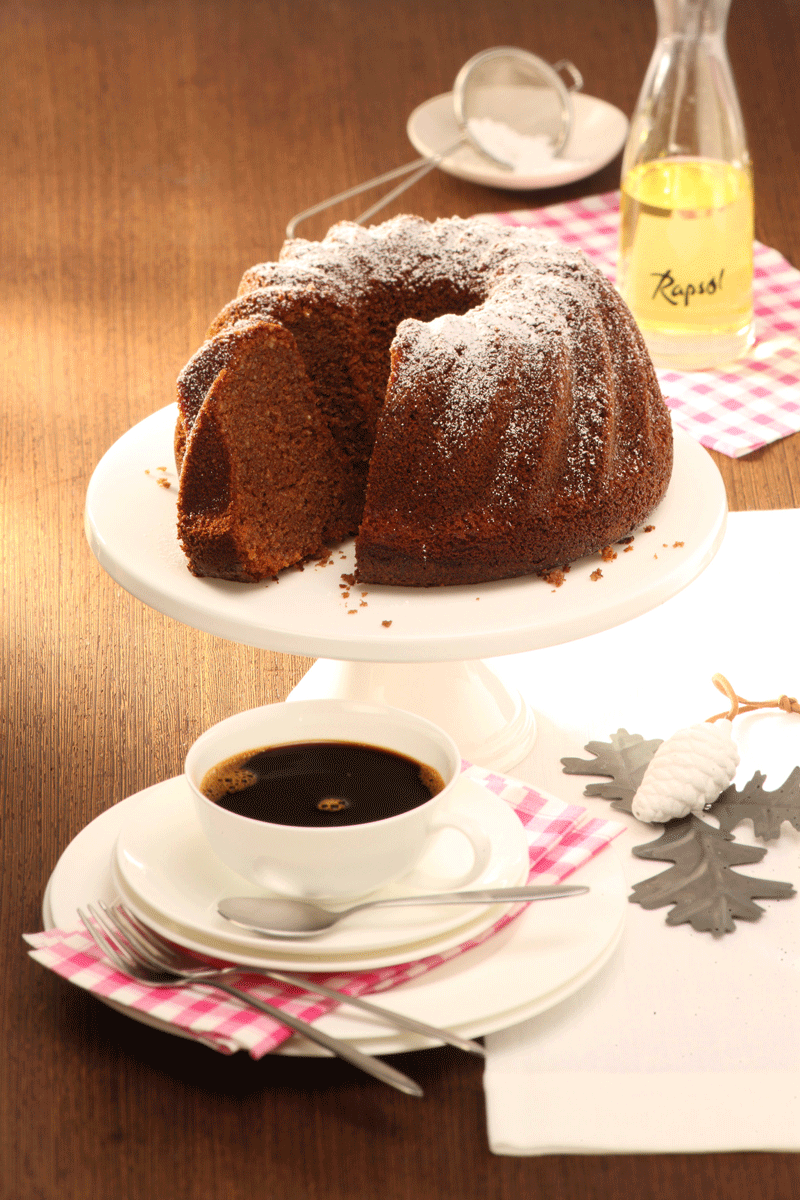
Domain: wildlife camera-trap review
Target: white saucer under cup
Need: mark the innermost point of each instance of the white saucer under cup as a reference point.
(164, 868)
(538, 960)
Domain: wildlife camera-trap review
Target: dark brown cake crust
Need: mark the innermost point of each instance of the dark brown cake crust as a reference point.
(487, 389)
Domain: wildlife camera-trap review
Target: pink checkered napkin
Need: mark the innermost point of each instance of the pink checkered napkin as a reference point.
(559, 841)
(734, 409)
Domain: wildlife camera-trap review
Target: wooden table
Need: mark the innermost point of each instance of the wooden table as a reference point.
(150, 152)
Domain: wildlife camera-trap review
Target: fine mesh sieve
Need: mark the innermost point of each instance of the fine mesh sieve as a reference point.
(516, 89)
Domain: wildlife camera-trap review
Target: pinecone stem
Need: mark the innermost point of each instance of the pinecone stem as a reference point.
(740, 705)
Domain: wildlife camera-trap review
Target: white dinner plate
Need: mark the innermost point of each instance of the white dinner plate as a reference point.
(598, 134)
(167, 872)
(550, 951)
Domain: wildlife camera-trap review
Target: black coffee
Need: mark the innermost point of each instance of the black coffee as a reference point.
(320, 784)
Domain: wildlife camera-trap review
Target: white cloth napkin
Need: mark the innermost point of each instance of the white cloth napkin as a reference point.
(684, 1042)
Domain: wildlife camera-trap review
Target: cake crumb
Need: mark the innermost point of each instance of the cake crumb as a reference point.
(349, 579)
(595, 575)
(627, 550)
(386, 624)
(556, 577)
(161, 468)
(649, 528)
(676, 545)
(351, 612)
(607, 554)
(163, 482)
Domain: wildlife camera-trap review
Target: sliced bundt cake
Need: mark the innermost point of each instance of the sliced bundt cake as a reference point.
(472, 402)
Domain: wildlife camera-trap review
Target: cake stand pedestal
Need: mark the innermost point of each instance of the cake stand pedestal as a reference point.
(491, 723)
(419, 649)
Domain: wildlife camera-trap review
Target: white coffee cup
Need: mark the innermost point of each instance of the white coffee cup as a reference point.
(344, 862)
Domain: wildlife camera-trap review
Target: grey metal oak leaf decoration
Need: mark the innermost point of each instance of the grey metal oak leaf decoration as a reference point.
(701, 885)
(767, 810)
(624, 759)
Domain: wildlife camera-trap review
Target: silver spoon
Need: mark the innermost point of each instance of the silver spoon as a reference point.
(283, 917)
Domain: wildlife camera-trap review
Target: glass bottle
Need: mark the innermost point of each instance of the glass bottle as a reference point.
(686, 231)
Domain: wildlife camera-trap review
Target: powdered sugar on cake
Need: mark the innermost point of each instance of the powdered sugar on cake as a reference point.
(486, 386)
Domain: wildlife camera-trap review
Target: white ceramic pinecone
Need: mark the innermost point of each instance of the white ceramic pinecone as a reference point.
(687, 772)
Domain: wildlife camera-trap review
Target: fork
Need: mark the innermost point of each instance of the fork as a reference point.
(122, 954)
(166, 954)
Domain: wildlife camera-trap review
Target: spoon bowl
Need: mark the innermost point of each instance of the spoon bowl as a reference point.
(285, 917)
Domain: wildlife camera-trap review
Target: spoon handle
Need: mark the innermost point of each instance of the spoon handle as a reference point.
(484, 896)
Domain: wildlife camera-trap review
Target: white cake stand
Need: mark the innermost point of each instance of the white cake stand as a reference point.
(419, 649)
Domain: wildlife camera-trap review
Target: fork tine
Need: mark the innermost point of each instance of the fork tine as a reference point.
(165, 953)
(152, 936)
(139, 946)
(151, 942)
(99, 935)
(118, 937)
(109, 930)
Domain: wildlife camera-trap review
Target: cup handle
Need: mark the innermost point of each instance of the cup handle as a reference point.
(481, 852)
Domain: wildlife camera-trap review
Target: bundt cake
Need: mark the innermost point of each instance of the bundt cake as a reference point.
(472, 402)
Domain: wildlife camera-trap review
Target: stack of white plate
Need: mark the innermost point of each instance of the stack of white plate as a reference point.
(150, 852)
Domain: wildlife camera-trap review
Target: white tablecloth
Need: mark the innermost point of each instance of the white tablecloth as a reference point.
(684, 1042)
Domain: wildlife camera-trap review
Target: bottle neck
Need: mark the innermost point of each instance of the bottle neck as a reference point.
(692, 19)
(688, 106)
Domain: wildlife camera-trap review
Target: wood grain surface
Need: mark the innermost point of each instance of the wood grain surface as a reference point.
(149, 153)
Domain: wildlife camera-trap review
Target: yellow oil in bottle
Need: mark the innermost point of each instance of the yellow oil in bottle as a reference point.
(686, 259)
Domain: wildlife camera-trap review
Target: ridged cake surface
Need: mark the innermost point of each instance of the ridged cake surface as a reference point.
(472, 402)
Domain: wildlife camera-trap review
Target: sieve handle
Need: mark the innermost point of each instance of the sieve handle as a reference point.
(420, 167)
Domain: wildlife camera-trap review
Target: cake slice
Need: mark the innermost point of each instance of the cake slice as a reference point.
(258, 472)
